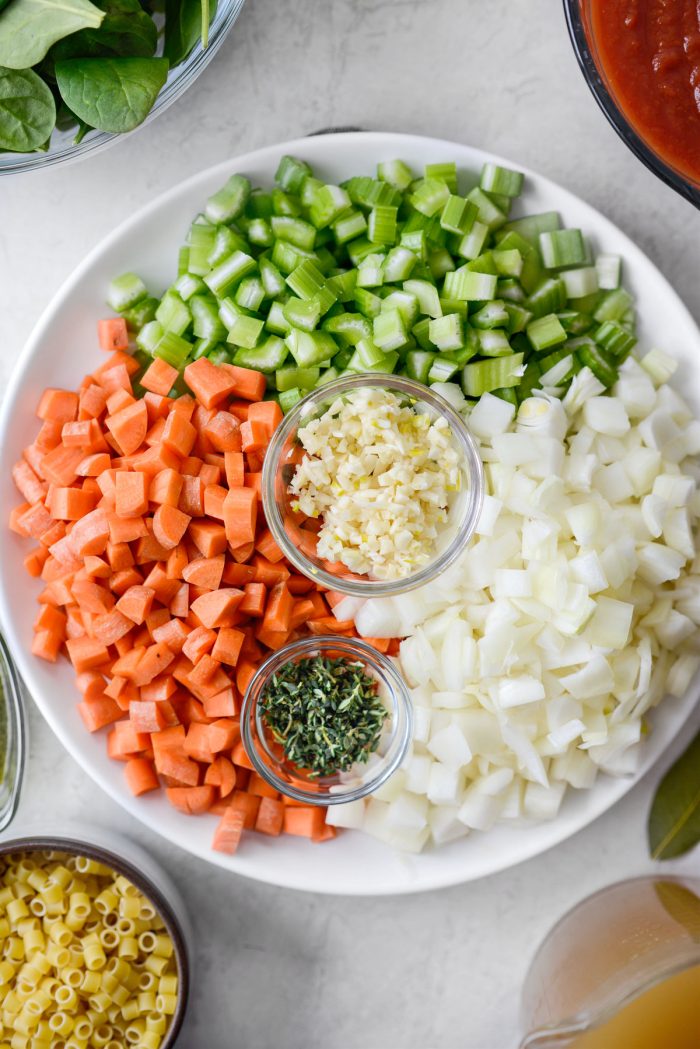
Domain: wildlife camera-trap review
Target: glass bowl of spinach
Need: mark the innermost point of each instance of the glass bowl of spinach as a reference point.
(76, 74)
(326, 720)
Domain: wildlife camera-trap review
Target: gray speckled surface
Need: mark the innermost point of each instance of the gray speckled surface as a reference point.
(274, 968)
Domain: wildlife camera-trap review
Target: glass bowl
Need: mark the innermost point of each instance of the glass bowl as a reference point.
(125, 858)
(12, 738)
(284, 776)
(298, 544)
(182, 76)
(578, 20)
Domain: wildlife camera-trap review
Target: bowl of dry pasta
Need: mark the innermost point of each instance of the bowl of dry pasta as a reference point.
(93, 946)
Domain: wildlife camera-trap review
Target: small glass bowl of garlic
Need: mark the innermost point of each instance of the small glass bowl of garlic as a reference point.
(372, 485)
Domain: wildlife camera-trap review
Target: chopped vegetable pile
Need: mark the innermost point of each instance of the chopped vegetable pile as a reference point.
(379, 475)
(326, 713)
(398, 273)
(162, 583)
(535, 658)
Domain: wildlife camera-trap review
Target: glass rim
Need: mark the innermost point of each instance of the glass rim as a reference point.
(471, 464)
(29, 843)
(183, 76)
(12, 762)
(595, 78)
(381, 665)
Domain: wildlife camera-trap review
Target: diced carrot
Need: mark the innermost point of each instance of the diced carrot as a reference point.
(174, 634)
(244, 674)
(240, 757)
(120, 582)
(169, 525)
(324, 833)
(112, 334)
(174, 763)
(302, 612)
(249, 385)
(149, 549)
(191, 499)
(196, 743)
(380, 643)
(165, 488)
(203, 672)
(211, 473)
(99, 713)
(180, 602)
(46, 645)
(274, 639)
(211, 383)
(136, 603)
(191, 800)
(208, 536)
(198, 642)
(140, 776)
(254, 436)
(228, 644)
(268, 573)
(305, 821)
(92, 402)
(267, 547)
(238, 574)
(70, 504)
(146, 716)
(131, 491)
(240, 514)
(113, 377)
(159, 377)
(270, 817)
(254, 460)
(30, 487)
(159, 581)
(235, 469)
(86, 653)
(214, 496)
(126, 529)
(119, 555)
(268, 413)
(319, 604)
(60, 406)
(128, 427)
(34, 561)
(260, 787)
(241, 554)
(227, 836)
(240, 409)
(221, 774)
(16, 514)
(34, 521)
(217, 608)
(223, 432)
(179, 434)
(253, 481)
(112, 626)
(160, 689)
(93, 465)
(278, 610)
(205, 572)
(76, 434)
(191, 465)
(253, 603)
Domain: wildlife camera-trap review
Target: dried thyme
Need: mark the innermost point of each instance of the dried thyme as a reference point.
(325, 713)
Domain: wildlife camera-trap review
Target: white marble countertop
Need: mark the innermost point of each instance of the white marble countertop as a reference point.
(274, 968)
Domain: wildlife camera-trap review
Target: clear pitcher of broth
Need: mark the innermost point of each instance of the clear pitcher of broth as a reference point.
(619, 971)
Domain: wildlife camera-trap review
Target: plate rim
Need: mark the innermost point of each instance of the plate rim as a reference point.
(281, 876)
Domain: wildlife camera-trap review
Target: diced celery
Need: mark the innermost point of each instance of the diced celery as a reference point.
(419, 363)
(205, 317)
(348, 328)
(291, 174)
(172, 314)
(149, 336)
(267, 358)
(493, 343)
(487, 212)
(302, 313)
(446, 332)
(272, 279)
(230, 200)
(389, 332)
(381, 224)
(530, 227)
(492, 315)
(544, 332)
(429, 196)
(349, 225)
(293, 230)
(329, 202)
(481, 377)
(140, 314)
(495, 179)
(245, 331)
(125, 291)
(224, 277)
(427, 296)
(396, 173)
(309, 348)
(470, 285)
(173, 349)
(288, 398)
(250, 293)
(617, 340)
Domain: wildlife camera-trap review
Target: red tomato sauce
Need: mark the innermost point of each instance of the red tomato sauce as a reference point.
(649, 52)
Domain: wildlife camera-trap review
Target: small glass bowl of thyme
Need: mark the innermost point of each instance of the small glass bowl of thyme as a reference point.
(326, 720)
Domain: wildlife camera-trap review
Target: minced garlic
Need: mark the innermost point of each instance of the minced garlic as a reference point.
(379, 474)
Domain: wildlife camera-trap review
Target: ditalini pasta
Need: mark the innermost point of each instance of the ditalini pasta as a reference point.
(85, 958)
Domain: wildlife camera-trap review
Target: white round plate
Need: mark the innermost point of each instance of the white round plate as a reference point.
(63, 348)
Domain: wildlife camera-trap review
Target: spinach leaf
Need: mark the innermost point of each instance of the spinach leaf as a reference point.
(674, 819)
(183, 27)
(126, 31)
(112, 94)
(27, 110)
(28, 28)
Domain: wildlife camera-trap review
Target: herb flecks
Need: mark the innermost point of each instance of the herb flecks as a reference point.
(325, 713)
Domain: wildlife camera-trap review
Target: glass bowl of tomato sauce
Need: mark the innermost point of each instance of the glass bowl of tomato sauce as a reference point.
(641, 60)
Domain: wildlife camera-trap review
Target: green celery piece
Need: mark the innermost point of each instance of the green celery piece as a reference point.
(302, 313)
(291, 174)
(229, 201)
(348, 328)
(396, 173)
(229, 273)
(310, 348)
(561, 248)
(173, 314)
(419, 363)
(294, 230)
(173, 349)
(205, 316)
(329, 203)
(481, 377)
(291, 377)
(446, 332)
(548, 297)
(388, 331)
(442, 370)
(268, 358)
(496, 179)
(125, 291)
(545, 332)
(530, 227)
(615, 339)
(429, 196)
(286, 203)
(140, 314)
(487, 212)
(493, 343)
(613, 305)
(599, 362)
(245, 331)
(491, 315)
(288, 398)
